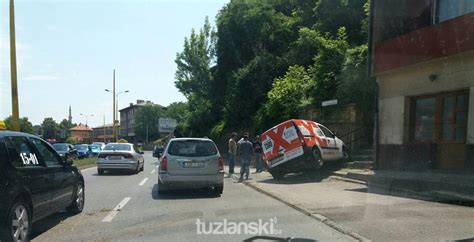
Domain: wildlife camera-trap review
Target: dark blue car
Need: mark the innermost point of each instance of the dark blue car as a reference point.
(83, 151)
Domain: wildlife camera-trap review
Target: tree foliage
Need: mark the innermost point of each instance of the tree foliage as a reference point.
(146, 121)
(25, 125)
(50, 128)
(271, 60)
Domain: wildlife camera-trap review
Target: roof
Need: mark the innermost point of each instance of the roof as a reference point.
(201, 139)
(81, 127)
(14, 133)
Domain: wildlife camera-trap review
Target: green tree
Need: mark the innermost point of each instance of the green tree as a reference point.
(288, 96)
(146, 121)
(66, 125)
(25, 125)
(50, 128)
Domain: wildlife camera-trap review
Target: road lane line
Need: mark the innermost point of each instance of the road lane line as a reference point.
(116, 210)
(143, 182)
(152, 171)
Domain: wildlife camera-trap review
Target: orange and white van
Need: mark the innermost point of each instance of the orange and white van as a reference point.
(297, 145)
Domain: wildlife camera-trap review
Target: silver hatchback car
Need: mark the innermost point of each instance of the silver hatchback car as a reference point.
(191, 163)
(120, 156)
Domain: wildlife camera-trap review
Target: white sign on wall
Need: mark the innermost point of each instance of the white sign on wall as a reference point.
(167, 125)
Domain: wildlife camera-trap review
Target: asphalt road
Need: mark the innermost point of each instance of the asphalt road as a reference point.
(127, 207)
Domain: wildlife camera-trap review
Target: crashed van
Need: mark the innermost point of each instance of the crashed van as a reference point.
(299, 145)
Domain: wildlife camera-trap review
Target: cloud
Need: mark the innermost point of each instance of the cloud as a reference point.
(40, 78)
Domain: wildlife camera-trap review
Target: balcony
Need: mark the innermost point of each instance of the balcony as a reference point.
(446, 38)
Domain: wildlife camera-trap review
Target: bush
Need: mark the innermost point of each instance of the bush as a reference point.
(218, 130)
(122, 141)
(71, 140)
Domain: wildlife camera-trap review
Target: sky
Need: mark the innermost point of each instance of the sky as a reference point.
(67, 51)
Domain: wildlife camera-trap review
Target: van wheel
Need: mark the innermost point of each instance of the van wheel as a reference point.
(317, 159)
(18, 222)
(100, 171)
(277, 174)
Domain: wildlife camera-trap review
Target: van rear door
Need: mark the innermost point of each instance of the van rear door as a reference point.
(281, 143)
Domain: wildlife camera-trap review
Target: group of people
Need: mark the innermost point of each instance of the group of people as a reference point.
(244, 149)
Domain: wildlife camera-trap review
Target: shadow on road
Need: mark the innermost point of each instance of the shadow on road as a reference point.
(48, 223)
(182, 194)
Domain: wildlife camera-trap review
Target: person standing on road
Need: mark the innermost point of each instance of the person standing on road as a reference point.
(245, 154)
(257, 146)
(232, 152)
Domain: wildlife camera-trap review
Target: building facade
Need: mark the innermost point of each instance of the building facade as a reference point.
(422, 56)
(127, 121)
(81, 133)
(103, 133)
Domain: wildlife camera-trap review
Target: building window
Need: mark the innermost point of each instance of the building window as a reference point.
(424, 119)
(448, 9)
(440, 118)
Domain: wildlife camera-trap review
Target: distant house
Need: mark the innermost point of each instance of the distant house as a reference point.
(423, 60)
(103, 133)
(81, 133)
(127, 120)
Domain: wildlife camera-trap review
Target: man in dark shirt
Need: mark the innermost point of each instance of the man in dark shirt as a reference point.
(257, 146)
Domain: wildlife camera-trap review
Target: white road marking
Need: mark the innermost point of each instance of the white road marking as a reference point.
(116, 210)
(153, 171)
(143, 182)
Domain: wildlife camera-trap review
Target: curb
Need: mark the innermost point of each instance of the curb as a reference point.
(304, 211)
(341, 178)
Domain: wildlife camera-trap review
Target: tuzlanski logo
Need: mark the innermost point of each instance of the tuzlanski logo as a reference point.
(226, 227)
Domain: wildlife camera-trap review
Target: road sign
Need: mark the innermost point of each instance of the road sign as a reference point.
(166, 125)
(329, 103)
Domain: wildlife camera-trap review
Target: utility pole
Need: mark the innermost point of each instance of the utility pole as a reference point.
(104, 128)
(114, 130)
(15, 109)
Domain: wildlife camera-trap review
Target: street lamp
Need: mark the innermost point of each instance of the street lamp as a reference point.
(86, 115)
(115, 107)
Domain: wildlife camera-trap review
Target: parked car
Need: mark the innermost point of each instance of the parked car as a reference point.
(83, 151)
(120, 156)
(191, 163)
(297, 145)
(66, 151)
(158, 151)
(35, 182)
(95, 149)
(102, 144)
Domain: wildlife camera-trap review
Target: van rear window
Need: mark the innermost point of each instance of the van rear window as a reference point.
(192, 148)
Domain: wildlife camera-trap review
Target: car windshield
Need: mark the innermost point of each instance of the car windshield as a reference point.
(95, 147)
(192, 148)
(60, 147)
(81, 147)
(114, 147)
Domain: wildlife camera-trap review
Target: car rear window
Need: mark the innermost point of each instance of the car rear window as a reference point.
(124, 147)
(60, 147)
(192, 148)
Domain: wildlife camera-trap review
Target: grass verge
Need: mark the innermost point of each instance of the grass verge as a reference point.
(85, 163)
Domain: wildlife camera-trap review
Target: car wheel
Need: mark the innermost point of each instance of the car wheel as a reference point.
(219, 189)
(277, 174)
(162, 188)
(138, 168)
(143, 166)
(18, 222)
(79, 198)
(100, 171)
(317, 159)
(346, 156)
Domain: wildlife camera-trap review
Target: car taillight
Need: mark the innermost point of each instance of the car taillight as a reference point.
(164, 164)
(221, 163)
(102, 156)
(127, 156)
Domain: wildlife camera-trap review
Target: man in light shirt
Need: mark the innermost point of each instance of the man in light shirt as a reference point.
(232, 152)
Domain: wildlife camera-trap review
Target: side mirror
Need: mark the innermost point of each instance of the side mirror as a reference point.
(335, 133)
(67, 161)
(141, 152)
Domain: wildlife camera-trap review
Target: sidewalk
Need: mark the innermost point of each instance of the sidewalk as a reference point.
(365, 211)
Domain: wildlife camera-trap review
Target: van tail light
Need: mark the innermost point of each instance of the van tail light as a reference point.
(164, 164)
(221, 163)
